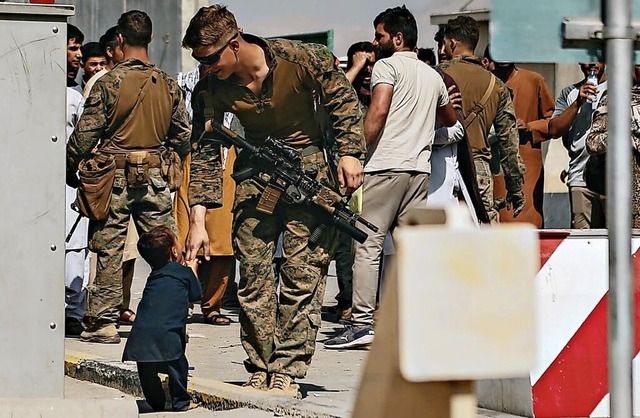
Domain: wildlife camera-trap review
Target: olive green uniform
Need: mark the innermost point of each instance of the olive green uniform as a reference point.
(159, 119)
(473, 81)
(278, 332)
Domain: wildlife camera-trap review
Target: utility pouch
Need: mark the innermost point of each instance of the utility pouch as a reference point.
(96, 182)
(269, 199)
(137, 169)
(171, 168)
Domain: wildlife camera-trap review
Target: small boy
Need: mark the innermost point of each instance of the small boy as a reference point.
(158, 336)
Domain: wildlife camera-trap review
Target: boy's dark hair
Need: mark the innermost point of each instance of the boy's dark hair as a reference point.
(109, 39)
(399, 19)
(427, 55)
(135, 26)
(463, 29)
(155, 246)
(364, 46)
(74, 33)
(92, 49)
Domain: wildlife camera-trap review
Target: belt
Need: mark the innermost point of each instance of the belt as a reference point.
(155, 161)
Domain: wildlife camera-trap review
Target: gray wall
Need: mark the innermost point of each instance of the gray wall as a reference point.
(94, 17)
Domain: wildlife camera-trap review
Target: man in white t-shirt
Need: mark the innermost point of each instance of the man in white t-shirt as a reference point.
(407, 96)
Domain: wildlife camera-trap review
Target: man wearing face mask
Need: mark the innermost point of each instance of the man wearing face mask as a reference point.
(572, 120)
(485, 102)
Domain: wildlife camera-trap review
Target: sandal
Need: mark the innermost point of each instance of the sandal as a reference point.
(127, 317)
(217, 319)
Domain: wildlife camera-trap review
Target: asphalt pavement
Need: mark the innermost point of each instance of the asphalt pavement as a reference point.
(216, 355)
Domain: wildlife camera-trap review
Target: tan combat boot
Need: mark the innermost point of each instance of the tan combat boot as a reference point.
(101, 332)
(258, 380)
(282, 384)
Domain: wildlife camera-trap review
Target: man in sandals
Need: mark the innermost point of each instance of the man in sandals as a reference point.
(131, 113)
(272, 87)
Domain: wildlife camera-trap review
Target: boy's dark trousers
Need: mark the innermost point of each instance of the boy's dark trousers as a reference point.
(177, 370)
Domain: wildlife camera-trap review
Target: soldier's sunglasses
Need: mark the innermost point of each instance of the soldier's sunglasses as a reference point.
(214, 57)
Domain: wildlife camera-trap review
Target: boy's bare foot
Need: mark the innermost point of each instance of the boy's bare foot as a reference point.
(193, 405)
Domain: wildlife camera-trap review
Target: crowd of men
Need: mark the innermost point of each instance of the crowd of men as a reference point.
(405, 131)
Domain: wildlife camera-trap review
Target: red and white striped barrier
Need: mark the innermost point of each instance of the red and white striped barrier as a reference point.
(572, 293)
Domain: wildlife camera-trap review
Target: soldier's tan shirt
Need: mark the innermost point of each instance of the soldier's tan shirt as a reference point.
(473, 81)
(160, 119)
(302, 83)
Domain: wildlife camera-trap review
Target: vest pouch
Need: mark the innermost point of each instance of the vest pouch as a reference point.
(96, 182)
(137, 169)
(171, 168)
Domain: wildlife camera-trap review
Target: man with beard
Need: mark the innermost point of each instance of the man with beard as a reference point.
(406, 97)
(533, 105)
(485, 102)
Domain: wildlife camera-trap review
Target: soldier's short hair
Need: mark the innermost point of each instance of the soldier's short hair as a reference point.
(109, 39)
(208, 26)
(135, 27)
(155, 246)
(463, 29)
(399, 19)
(74, 33)
(92, 49)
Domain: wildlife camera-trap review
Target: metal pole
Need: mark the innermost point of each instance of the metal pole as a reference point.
(619, 47)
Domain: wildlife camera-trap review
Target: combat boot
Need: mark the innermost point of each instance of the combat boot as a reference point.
(282, 384)
(258, 380)
(101, 332)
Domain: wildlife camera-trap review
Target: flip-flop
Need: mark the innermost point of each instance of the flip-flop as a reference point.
(127, 317)
(217, 319)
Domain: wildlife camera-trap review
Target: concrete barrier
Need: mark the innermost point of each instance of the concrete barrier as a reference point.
(570, 379)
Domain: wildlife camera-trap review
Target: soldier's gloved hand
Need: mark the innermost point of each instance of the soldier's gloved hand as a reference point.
(73, 180)
(515, 201)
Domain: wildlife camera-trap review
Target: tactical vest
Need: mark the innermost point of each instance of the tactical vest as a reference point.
(147, 127)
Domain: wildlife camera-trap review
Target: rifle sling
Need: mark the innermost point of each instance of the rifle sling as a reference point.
(479, 107)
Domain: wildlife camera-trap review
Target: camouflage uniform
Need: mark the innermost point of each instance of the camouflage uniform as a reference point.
(161, 114)
(473, 81)
(278, 332)
(596, 144)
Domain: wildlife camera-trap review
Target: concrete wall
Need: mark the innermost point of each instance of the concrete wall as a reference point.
(93, 19)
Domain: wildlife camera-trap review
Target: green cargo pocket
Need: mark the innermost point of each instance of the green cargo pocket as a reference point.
(158, 183)
(119, 183)
(315, 321)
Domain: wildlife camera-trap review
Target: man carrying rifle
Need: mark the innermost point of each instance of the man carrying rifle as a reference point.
(273, 87)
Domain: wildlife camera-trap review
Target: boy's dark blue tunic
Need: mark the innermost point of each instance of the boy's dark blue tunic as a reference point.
(158, 332)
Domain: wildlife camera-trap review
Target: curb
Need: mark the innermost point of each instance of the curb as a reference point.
(211, 394)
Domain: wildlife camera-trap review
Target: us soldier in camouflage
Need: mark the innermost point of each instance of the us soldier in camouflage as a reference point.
(270, 86)
(484, 105)
(134, 108)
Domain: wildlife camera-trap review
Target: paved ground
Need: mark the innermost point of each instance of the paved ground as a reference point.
(215, 353)
(78, 389)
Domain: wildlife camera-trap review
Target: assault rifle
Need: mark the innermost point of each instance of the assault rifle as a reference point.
(282, 177)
